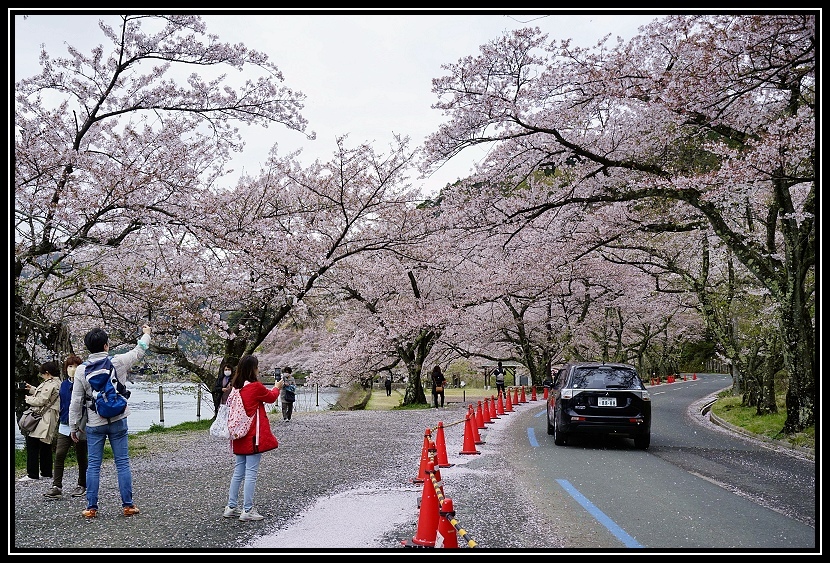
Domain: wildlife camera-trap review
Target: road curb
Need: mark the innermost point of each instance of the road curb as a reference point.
(705, 407)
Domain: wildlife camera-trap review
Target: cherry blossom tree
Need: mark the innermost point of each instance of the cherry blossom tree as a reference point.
(713, 112)
(117, 140)
(390, 309)
(258, 257)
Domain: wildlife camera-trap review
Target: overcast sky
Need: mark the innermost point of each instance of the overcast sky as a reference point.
(365, 74)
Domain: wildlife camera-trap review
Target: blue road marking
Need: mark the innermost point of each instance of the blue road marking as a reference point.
(618, 532)
(532, 437)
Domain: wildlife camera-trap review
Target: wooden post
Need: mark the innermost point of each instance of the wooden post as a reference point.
(161, 405)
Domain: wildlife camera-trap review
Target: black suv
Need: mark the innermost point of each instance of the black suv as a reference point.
(599, 398)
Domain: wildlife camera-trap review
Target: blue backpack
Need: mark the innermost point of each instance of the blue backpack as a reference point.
(109, 396)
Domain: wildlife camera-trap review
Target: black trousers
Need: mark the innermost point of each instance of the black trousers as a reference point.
(38, 456)
(435, 395)
(287, 409)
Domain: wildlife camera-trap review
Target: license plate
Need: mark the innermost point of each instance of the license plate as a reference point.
(607, 401)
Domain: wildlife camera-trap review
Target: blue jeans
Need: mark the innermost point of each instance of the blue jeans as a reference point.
(95, 438)
(245, 468)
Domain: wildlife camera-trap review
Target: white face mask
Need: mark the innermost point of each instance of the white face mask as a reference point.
(70, 371)
(227, 372)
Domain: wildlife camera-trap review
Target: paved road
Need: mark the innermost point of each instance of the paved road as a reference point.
(696, 487)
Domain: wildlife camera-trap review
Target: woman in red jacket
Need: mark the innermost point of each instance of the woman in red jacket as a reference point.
(248, 449)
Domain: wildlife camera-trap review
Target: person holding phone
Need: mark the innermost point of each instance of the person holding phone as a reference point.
(44, 398)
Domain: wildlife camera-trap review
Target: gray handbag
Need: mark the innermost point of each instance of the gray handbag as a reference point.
(29, 420)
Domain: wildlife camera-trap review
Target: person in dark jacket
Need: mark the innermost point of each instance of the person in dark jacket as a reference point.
(499, 374)
(248, 450)
(288, 394)
(64, 442)
(438, 381)
(222, 388)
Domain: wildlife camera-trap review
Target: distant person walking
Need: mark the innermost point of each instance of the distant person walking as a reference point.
(64, 441)
(499, 374)
(248, 450)
(288, 394)
(388, 384)
(438, 381)
(98, 428)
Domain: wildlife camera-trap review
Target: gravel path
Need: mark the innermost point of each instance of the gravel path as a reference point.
(339, 481)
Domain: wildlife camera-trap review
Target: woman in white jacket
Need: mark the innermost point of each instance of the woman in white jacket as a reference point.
(44, 398)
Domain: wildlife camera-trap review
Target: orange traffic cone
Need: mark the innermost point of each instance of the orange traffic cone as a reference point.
(479, 417)
(546, 394)
(485, 412)
(515, 397)
(471, 413)
(428, 516)
(500, 407)
(447, 536)
(533, 393)
(694, 376)
(494, 410)
(441, 447)
(523, 398)
(424, 459)
(469, 438)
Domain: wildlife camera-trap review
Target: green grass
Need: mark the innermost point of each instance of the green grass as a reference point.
(728, 407)
(136, 443)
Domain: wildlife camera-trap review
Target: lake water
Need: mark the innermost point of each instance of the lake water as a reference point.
(181, 404)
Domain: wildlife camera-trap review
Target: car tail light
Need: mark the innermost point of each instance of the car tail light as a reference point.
(567, 394)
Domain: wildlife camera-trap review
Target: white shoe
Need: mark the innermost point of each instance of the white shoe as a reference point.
(26, 479)
(231, 512)
(251, 515)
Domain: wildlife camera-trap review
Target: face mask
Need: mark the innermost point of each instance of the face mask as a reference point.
(227, 372)
(70, 371)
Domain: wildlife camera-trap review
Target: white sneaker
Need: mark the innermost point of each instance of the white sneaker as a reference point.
(26, 479)
(251, 515)
(231, 512)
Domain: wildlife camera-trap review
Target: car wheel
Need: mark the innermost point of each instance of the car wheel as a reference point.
(558, 436)
(550, 426)
(642, 442)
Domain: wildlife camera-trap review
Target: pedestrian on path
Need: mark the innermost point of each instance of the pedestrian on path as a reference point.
(248, 450)
(44, 398)
(64, 441)
(100, 429)
(288, 394)
(438, 381)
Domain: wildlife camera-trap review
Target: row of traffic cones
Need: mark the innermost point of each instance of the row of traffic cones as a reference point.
(437, 527)
(669, 379)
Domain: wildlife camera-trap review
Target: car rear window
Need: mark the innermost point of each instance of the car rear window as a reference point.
(605, 377)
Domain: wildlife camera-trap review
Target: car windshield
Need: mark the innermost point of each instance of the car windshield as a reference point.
(605, 377)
